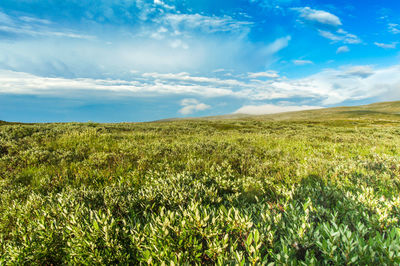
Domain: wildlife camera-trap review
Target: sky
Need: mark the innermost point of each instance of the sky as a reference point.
(144, 60)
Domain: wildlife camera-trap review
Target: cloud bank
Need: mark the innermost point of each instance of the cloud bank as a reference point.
(328, 87)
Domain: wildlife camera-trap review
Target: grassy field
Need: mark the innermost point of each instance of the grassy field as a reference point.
(305, 188)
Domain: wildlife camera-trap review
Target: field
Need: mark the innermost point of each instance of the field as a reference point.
(306, 188)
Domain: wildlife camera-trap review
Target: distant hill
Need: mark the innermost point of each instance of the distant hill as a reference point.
(375, 111)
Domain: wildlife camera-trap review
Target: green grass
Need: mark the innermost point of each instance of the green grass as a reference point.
(250, 191)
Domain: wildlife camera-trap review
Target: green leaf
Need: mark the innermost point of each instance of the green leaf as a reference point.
(256, 236)
(249, 239)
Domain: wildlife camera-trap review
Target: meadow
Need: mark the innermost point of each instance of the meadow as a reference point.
(234, 191)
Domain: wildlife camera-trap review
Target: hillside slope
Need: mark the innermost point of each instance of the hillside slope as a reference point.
(382, 110)
(375, 111)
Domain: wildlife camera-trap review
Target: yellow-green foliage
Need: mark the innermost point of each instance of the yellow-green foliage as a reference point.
(201, 192)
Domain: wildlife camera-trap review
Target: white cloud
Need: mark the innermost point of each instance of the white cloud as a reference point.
(192, 105)
(220, 70)
(329, 35)
(278, 45)
(300, 62)
(35, 20)
(185, 77)
(209, 24)
(36, 27)
(343, 49)
(272, 109)
(162, 4)
(386, 45)
(44, 32)
(394, 28)
(340, 36)
(266, 74)
(319, 16)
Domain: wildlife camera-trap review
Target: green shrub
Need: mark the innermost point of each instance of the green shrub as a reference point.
(200, 192)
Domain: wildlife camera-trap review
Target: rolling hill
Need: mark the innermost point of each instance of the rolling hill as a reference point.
(375, 111)
(381, 110)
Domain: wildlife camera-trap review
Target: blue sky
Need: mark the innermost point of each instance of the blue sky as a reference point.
(138, 60)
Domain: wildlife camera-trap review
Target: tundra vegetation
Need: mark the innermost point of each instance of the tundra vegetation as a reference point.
(236, 191)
